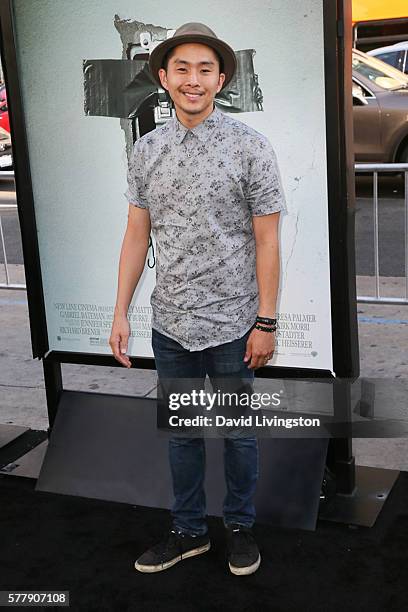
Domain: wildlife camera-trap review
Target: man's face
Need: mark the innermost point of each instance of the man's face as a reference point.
(192, 78)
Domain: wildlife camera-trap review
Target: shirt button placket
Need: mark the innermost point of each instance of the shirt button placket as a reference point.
(188, 152)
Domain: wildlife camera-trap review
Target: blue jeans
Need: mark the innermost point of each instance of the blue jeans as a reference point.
(187, 455)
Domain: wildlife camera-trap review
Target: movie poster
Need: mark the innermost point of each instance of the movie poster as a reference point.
(85, 89)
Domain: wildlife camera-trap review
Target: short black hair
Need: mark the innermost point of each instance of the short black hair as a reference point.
(170, 52)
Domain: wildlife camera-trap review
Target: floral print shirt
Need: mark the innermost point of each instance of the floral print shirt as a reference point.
(202, 186)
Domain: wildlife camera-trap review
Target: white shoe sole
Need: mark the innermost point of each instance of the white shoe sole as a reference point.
(150, 569)
(244, 571)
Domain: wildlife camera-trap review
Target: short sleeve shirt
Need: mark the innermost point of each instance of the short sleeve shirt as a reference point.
(202, 186)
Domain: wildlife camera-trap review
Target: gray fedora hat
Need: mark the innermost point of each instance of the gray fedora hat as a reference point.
(194, 33)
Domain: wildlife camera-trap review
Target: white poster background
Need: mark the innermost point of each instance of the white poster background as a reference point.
(78, 163)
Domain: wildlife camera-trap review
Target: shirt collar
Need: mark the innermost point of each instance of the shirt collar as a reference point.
(202, 130)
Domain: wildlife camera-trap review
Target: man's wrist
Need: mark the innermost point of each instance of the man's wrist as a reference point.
(265, 324)
(265, 318)
(265, 327)
(120, 311)
(269, 313)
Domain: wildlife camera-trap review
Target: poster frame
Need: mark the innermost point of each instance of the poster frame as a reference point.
(340, 186)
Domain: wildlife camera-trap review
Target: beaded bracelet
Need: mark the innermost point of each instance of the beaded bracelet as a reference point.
(265, 329)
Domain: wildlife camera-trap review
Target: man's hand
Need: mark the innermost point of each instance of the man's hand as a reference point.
(259, 349)
(119, 339)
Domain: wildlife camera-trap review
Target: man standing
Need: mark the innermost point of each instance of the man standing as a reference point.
(209, 188)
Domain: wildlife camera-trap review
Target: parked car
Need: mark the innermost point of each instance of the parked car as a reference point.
(4, 116)
(394, 55)
(380, 111)
(6, 157)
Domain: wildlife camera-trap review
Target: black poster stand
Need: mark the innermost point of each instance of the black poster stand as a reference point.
(81, 422)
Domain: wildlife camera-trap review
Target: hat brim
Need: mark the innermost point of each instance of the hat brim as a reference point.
(225, 51)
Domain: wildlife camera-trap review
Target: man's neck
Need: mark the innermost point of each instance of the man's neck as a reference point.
(191, 121)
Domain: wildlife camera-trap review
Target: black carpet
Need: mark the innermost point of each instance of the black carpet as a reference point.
(88, 547)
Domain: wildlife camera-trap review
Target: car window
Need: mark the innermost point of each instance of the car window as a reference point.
(394, 58)
(379, 72)
(390, 58)
(359, 89)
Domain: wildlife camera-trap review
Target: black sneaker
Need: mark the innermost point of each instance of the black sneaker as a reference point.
(242, 550)
(172, 549)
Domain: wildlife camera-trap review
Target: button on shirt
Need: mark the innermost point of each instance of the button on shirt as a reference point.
(202, 186)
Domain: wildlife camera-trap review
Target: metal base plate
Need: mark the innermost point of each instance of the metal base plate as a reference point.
(362, 507)
(8, 433)
(29, 464)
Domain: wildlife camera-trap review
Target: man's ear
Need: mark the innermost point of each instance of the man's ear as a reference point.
(163, 78)
(221, 81)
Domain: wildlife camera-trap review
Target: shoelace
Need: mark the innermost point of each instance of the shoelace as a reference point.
(174, 537)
